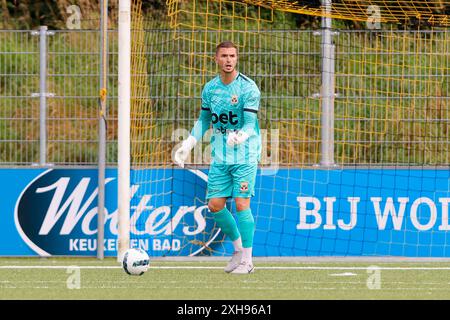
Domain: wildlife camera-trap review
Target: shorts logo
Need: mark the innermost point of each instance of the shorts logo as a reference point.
(234, 99)
(244, 187)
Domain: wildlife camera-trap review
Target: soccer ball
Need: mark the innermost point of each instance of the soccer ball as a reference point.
(135, 262)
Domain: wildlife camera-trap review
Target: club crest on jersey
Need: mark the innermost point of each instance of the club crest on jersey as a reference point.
(234, 99)
(244, 187)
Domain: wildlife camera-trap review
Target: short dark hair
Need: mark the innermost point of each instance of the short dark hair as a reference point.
(226, 44)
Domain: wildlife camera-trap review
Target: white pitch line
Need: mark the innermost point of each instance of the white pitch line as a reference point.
(211, 267)
(345, 274)
(59, 267)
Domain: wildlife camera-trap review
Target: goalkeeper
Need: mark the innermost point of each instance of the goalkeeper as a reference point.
(230, 102)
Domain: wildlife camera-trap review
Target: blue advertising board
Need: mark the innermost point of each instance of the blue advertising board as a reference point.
(298, 212)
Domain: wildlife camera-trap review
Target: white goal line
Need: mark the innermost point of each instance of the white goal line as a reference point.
(215, 267)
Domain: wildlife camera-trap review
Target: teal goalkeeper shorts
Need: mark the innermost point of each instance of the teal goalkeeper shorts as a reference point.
(231, 180)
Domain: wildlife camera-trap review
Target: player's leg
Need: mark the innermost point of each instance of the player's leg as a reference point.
(244, 188)
(220, 187)
(224, 218)
(247, 231)
(227, 224)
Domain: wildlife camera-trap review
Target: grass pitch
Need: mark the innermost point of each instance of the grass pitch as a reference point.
(89, 278)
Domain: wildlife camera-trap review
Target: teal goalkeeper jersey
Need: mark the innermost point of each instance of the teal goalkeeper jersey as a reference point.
(231, 107)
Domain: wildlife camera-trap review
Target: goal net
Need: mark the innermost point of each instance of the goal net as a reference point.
(354, 119)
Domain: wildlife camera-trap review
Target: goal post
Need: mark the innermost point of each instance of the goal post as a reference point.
(124, 99)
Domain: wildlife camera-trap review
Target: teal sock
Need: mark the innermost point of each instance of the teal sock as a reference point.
(226, 222)
(246, 227)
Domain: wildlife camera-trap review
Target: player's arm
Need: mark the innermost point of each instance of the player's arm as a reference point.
(197, 132)
(202, 124)
(250, 118)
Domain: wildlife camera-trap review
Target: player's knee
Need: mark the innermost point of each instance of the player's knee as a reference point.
(215, 206)
(242, 204)
(242, 207)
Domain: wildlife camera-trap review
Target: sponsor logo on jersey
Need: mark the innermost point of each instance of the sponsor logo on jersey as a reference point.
(225, 118)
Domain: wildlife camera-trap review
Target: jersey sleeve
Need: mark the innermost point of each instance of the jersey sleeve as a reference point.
(250, 123)
(251, 107)
(252, 100)
(204, 120)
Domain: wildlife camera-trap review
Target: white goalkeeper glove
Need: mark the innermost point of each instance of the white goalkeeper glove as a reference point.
(183, 152)
(235, 138)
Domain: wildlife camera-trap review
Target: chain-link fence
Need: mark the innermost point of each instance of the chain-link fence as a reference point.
(391, 106)
(69, 65)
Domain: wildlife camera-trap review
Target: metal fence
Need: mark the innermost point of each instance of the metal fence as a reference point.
(50, 116)
(49, 91)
